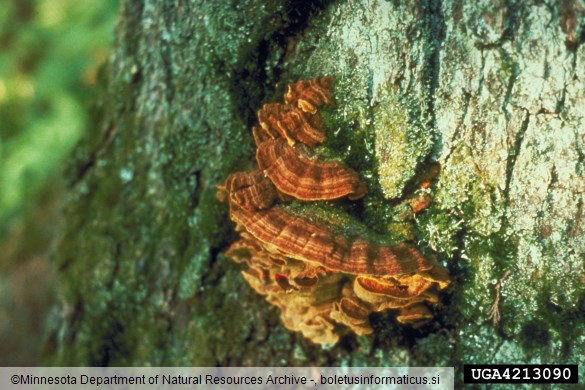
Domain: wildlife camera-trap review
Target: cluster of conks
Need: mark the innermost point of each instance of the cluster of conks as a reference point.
(323, 281)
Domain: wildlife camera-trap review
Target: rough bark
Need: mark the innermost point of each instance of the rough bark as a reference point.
(494, 91)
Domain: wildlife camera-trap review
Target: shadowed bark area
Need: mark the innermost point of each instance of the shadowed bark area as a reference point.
(494, 92)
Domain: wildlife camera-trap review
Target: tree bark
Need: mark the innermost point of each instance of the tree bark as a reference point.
(493, 91)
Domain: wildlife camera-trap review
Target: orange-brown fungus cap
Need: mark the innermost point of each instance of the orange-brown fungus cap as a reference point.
(297, 237)
(354, 314)
(419, 202)
(414, 313)
(260, 135)
(374, 290)
(307, 311)
(309, 95)
(291, 124)
(296, 174)
(251, 190)
(428, 174)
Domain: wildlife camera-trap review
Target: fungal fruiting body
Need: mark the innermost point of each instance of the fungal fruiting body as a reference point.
(323, 279)
(295, 173)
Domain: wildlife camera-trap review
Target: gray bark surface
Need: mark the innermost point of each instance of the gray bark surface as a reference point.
(494, 91)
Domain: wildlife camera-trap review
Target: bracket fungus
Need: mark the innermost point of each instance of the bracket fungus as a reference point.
(292, 124)
(323, 279)
(294, 172)
(309, 95)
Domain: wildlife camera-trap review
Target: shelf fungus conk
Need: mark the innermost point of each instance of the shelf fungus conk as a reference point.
(323, 279)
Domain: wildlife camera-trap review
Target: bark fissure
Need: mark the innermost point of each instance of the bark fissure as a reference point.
(514, 72)
(166, 51)
(514, 152)
(436, 27)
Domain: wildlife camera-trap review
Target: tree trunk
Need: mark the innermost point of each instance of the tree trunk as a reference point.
(494, 92)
